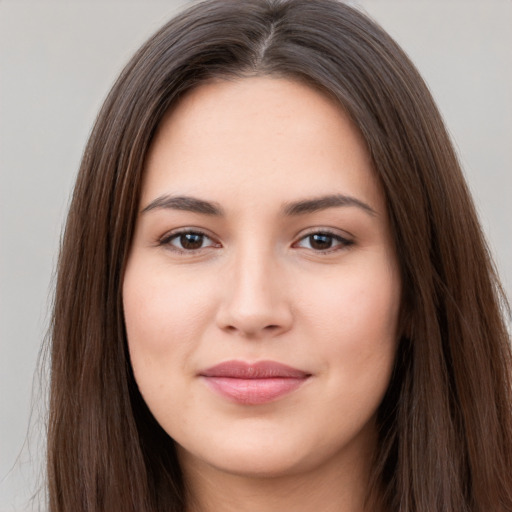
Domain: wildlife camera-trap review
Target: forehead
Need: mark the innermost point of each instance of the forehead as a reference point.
(259, 135)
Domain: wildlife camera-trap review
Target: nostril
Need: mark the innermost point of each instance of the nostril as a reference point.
(272, 328)
(253, 320)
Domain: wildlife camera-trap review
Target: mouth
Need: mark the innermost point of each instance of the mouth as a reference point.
(253, 383)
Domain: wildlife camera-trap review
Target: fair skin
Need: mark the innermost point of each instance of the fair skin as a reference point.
(265, 273)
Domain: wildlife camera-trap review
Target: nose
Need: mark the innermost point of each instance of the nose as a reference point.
(255, 298)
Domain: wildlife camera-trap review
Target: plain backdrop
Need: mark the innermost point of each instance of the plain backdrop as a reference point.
(57, 62)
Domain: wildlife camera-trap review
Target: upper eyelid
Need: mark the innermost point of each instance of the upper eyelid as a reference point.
(183, 231)
(335, 232)
(342, 240)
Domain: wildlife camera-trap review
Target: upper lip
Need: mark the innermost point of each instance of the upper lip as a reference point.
(256, 370)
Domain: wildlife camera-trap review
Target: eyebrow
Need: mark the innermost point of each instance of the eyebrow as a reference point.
(186, 203)
(302, 207)
(322, 203)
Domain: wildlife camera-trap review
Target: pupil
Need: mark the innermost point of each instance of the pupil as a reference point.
(320, 241)
(191, 241)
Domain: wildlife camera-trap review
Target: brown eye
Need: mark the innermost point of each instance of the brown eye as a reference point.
(322, 242)
(188, 241)
(191, 241)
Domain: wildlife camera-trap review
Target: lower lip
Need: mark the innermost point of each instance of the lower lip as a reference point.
(254, 391)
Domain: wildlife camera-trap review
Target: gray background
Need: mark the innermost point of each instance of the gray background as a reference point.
(57, 62)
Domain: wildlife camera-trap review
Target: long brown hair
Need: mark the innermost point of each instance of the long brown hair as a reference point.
(445, 425)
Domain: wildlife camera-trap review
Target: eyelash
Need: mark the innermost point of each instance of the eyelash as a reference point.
(342, 242)
(167, 241)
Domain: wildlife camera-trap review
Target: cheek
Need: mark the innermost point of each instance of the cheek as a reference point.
(165, 320)
(354, 322)
(357, 336)
(358, 305)
(163, 311)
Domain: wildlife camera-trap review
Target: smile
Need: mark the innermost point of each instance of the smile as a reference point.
(253, 383)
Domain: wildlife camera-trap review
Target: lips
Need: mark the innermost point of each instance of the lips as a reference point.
(253, 383)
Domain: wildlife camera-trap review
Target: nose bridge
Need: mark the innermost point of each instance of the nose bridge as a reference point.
(255, 300)
(253, 277)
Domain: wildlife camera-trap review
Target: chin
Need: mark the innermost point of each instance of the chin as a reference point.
(267, 454)
(249, 462)
(258, 450)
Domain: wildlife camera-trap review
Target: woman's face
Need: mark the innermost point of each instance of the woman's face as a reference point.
(262, 291)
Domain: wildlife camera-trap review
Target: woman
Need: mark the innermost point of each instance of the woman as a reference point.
(273, 291)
